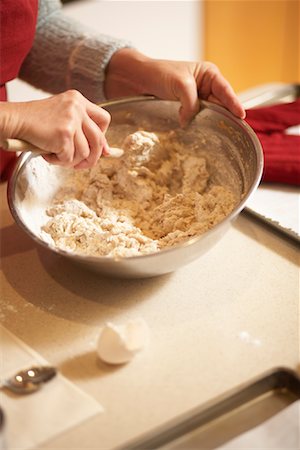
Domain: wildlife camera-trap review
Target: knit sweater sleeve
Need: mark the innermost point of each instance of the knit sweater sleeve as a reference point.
(68, 55)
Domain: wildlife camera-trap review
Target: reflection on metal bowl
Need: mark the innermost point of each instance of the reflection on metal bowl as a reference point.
(233, 151)
(2, 434)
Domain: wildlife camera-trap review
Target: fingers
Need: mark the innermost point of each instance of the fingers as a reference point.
(194, 81)
(235, 108)
(223, 92)
(82, 148)
(96, 142)
(99, 115)
(189, 107)
(105, 149)
(214, 87)
(75, 151)
(94, 128)
(78, 131)
(65, 155)
(188, 96)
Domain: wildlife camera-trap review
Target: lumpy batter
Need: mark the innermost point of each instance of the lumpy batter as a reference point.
(158, 194)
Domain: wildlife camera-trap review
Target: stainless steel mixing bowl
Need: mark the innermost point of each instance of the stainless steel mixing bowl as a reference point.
(231, 147)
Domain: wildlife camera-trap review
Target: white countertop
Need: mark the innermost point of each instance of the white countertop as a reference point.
(198, 317)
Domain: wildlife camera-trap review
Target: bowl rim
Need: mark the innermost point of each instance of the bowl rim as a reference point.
(186, 243)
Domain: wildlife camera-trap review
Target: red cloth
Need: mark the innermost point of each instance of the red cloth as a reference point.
(17, 29)
(281, 150)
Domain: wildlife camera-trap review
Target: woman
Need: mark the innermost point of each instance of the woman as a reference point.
(80, 67)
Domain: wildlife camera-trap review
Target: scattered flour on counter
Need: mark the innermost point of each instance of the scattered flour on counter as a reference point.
(159, 193)
(248, 339)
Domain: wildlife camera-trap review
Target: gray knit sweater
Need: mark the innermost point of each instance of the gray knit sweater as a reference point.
(66, 54)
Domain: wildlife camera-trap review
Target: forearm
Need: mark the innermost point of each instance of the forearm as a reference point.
(68, 55)
(127, 74)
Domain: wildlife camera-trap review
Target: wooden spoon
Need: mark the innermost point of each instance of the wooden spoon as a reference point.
(18, 145)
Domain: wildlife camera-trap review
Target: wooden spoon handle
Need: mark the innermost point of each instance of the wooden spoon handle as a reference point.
(17, 145)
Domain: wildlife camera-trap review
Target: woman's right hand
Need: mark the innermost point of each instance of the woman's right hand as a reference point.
(66, 125)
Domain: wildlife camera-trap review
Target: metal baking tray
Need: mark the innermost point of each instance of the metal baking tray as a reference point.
(216, 423)
(269, 94)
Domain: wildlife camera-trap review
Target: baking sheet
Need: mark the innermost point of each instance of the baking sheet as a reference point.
(269, 203)
(276, 205)
(217, 423)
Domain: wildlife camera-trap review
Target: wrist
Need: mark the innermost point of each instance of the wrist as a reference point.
(124, 73)
(10, 120)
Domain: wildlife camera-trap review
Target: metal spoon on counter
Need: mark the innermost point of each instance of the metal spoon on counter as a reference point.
(29, 380)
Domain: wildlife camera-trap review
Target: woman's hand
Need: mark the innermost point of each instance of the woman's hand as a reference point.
(66, 125)
(131, 73)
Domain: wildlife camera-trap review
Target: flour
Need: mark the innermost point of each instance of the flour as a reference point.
(158, 194)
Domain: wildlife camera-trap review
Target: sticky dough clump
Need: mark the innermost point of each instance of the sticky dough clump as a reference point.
(158, 194)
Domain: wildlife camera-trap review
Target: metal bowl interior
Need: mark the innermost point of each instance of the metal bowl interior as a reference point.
(229, 145)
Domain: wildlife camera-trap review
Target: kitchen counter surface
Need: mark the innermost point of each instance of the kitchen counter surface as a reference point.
(228, 317)
(214, 324)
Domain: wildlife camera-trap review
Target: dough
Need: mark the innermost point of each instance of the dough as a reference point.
(158, 194)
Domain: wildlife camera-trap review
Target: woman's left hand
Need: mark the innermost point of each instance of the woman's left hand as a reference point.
(132, 73)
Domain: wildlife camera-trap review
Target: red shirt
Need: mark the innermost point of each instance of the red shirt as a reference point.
(17, 29)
